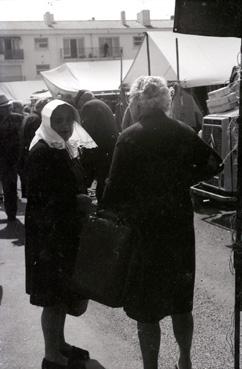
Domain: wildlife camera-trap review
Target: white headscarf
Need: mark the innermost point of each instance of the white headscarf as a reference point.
(79, 137)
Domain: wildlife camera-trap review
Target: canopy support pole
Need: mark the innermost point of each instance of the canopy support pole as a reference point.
(238, 244)
(148, 53)
(177, 62)
(121, 66)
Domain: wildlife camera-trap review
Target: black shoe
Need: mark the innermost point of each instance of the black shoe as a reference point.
(76, 353)
(46, 364)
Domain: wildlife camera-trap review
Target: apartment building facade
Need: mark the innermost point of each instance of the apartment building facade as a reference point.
(29, 47)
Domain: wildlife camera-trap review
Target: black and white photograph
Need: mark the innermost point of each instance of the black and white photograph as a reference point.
(120, 184)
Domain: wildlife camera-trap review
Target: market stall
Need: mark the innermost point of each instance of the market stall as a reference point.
(97, 76)
(23, 90)
(203, 61)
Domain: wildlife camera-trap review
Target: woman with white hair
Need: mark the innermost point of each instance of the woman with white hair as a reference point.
(155, 162)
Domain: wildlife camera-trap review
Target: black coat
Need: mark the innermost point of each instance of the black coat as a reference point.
(154, 164)
(9, 141)
(52, 223)
(98, 120)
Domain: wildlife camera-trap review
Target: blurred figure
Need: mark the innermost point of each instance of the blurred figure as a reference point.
(30, 124)
(98, 120)
(155, 162)
(185, 108)
(27, 109)
(17, 107)
(105, 49)
(10, 124)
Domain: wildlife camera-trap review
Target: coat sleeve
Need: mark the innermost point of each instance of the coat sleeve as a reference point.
(119, 189)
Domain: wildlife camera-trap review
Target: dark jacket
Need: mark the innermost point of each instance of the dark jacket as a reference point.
(9, 140)
(29, 126)
(98, 120)
(52, 222)
(155, 162)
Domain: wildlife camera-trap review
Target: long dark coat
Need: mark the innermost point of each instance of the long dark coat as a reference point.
(155, 162)
(98, 120)
(52, 224)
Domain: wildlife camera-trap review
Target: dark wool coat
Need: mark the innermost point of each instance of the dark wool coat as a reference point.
(52, 223)
(9, 141)
(98, 120)
(155, 162)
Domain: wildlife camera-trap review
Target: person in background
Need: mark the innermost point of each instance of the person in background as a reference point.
(185, 108)
(10, 124)
(17, 107)
(105, 49)
(155, 162)
(30, 124)
(56, 206)
(98, 120)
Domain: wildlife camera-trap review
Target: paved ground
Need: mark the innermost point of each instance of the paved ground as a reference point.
(107, 333)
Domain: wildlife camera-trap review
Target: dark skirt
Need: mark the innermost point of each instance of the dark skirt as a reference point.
(161, 276)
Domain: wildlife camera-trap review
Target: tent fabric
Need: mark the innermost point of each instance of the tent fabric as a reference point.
(91, 75)
(203, 60)
(22, 90)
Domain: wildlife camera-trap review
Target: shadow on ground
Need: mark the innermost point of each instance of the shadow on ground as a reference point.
(13, 230)
(93, 364)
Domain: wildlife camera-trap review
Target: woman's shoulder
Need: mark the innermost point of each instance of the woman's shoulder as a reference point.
(130, 132)
(40, 150)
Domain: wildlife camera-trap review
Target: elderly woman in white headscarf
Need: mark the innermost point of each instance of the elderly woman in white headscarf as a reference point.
(155, 162)
(52, 222)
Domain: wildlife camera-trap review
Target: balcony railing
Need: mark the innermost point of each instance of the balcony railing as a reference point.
(14, 54)
(4, 78)
(92, 53)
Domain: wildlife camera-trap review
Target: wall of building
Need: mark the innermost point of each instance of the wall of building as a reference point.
(25, 68)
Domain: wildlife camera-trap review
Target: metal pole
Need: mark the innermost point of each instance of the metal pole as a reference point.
(121, 66)
(238, 246)
(148, 53)
(177, 62)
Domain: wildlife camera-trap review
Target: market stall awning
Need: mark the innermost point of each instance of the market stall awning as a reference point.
(203, 60)
(91, 75)
(23, 90)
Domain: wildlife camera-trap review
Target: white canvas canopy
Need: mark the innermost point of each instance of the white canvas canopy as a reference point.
(203, 60)
(23, 90)
(91, 75)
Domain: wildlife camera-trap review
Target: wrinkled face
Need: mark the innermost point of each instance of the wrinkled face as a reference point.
(62, 121)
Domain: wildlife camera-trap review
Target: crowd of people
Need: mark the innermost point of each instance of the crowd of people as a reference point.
(143, 172)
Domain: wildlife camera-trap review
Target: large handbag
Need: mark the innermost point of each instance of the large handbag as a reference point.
(102, 260)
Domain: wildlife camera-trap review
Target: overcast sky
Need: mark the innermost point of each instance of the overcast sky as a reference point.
(11, 10)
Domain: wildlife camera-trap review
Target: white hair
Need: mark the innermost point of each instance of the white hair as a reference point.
(148, 93)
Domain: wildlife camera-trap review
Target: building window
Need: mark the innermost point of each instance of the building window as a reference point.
(137, 40)
(109, 46)
(42, 68)
(73, 47)
(41, 43)
(10, 48)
